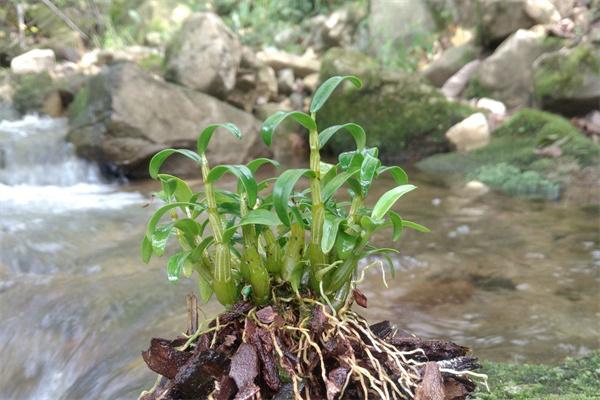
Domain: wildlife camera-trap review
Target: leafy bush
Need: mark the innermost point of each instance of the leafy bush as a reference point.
(275, 242)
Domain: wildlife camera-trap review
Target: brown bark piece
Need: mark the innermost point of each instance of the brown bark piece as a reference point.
(432, 384)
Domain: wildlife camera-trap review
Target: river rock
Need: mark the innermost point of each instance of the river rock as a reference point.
(457, 82)
(542, 11)
(285, 80)
(123, 116)
(301, 65)
(204, 55)
(398, 21)
(507, 74)
(493, 106)
(470, 134)
(449, 63)
(568, 81)
(33, 62)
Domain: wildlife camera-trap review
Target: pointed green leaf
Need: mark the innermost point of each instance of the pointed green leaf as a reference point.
(160, 237)
(368, 169)
(324, 91)
(357, 132)
(415, 226)
(271, 123)
(175, 266)
(178, 187)
(388, 199)
(254, 165)
(160, 157)
(205, 288)
(334, 184)
(283, 188)
(244, 176)
(158, 214)
(146, 249)
(331, 226)
(396, 225)
(399, 175)
(254, 217)
(206, 135)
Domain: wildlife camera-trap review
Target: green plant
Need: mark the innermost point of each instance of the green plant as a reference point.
(271, 242)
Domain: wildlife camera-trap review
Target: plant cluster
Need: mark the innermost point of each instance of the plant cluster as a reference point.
(276, 238)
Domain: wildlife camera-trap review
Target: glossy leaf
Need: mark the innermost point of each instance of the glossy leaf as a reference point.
(254, 165)
(415, 226)
(397, 227)
(158, 214)
(326, 89)
(357, 132)
(399, 175)
(271, 123)
(146, 249)
(254, 217)
(282, 190)
(178, 187)
(335, 183)
(159, 158)
(206, 135)
(175, 266)
(368, 169)
(331, 225)
(160, 237)
(388, 199)
(244, 176)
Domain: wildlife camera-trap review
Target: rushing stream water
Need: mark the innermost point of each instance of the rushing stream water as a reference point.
(516, 280)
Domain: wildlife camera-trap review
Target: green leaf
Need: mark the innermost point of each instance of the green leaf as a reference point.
(271, 123)
(415, 226)
(177, 187)
(254, 217)
(175, 265)
(388, 199)
(357, 132)
(254, 165)
(399, 175)
(324, 91)
(335, 183)
(158, 214)
(160, 157)
(368, 170)
(160, 237)
(146, 249)
(244, 176)
(282, 191)
(396, 225)
(331, 225)
(196, 253)
(206, 134)
(205, 288)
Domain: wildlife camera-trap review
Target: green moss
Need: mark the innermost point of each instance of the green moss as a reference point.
(563, 72)
(475, 89)
(31, 91)
(404, 117)
(512, 150)
(153, 63)
(575, 379)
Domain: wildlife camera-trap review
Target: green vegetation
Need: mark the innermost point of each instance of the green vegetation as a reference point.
(575, 379)
(564, 72)
(515, 152)
(406, 118)
(257, 246)
(31, 91)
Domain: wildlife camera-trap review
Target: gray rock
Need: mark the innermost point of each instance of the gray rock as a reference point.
(449, 63)
(398, 20)
(507, 75)
(285, 80)
(277, 59)
(33, 62)
(204, 55)
(470, 134)
(457, 82)
(123, 116)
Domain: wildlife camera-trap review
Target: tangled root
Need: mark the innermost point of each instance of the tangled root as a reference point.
(303, 347)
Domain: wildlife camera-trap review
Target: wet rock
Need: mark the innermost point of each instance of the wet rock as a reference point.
(470, 134)
(568, 81)
(124, 116)
(507, 74)
(204, 55)
(449, 63)
(33, 62)
(301, 65)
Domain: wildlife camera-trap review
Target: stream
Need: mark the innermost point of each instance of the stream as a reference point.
(515, 280)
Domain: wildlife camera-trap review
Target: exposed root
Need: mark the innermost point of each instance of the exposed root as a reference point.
(320, 353)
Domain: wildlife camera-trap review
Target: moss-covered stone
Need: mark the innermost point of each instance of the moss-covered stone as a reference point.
(403, 116)
(31, 91)
(514, 151)
(575, 379)
(568, 81)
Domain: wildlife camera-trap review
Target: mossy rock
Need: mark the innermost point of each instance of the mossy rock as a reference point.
(568, 81)
(507, 163)
(31, 90)
(406, 118)
(574, 379)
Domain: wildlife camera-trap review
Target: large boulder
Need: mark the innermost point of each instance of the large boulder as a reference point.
(398, 21)
(204, 55)
(449, 63)
(403, 116)
(568, 81)
(507, 75)
(33, 62)
(470, 134)
(123, 116)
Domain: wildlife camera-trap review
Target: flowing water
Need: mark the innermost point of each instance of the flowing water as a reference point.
(516, 280)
